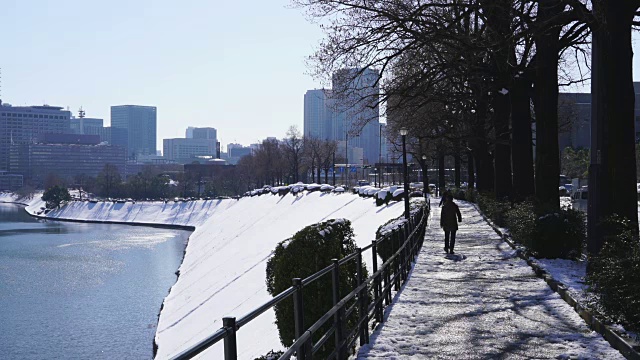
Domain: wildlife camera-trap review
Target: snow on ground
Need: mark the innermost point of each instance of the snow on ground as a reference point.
(484, 302)
(223, 272)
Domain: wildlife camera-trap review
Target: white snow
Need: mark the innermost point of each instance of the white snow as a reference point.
(482, 303)
(397, 192)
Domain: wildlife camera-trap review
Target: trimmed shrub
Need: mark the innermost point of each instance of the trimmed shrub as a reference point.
(383, 197)
(521, 221)
(494, 209)
(308, 251)
(615, 273)
(559, 234)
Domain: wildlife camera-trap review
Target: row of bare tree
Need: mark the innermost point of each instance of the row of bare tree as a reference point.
(470, 77)
(292, 159)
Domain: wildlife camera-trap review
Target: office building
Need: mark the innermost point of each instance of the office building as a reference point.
(356, 112)
(318, 114)
(349, 112)
(22, 124)
(236, 151)
(10, 182)
(140, 123)
(574, 118)
(185, 150)
(64, 155)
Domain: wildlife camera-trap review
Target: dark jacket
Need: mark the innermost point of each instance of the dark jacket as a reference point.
(443, 198)
(450, 213)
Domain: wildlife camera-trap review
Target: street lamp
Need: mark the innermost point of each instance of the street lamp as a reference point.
(425, 177)
(407, 212)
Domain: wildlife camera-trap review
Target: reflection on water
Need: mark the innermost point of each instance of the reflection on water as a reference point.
(73, 290)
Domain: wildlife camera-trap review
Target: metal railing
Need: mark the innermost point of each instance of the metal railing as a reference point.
(406, 241)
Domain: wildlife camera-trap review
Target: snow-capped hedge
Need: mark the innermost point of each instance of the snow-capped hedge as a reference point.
(308, 251)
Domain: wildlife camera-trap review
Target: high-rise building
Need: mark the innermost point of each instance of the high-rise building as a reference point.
(22, 124)
(140, 123)
(208, 133)
(356, 112)
(318, 114)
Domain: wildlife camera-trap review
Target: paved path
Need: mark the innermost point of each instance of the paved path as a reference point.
(486, 303)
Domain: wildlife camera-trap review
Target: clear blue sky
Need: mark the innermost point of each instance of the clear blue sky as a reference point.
(236, 66)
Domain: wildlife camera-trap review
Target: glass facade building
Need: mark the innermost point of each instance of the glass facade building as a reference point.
(140, 122)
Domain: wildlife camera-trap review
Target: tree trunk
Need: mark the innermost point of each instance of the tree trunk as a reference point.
(499, 24)
(612, 172)
(456, 159)
(471, 176)
(522, 141)
(546, 108)
(441, 178)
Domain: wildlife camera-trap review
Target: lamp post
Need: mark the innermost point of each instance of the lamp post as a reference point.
(375, 177)
(407, 212)
(425, 177)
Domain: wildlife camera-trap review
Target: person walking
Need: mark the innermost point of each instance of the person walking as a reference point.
(449, 218)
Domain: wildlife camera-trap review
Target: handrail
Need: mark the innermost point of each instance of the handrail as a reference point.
(389, 272)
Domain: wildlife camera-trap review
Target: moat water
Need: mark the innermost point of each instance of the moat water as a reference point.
(82, 291)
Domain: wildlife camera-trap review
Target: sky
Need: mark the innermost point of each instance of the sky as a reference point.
(237, 66)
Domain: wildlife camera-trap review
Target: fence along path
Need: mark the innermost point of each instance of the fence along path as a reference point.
(387, 279)
(483, 303)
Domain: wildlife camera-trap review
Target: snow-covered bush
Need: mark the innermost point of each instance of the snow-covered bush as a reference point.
(338, 189)
(308, 251)
(615, 273)
(313, 187)
(271, 355)
(383, 197)
(326, 188)
(398, 195)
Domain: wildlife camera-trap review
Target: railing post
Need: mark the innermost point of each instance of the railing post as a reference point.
(407, 251)
(403, 253)
(362, 299)
(230, 344)
(396, 262)
(337, 317)
(376, 281)
(298, 316)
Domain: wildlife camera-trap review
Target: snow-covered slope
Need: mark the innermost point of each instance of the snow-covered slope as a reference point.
(223, 272)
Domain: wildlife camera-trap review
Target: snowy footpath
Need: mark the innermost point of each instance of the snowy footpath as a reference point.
(482, 303)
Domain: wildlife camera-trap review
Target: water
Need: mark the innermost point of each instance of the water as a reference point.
(82, 291)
